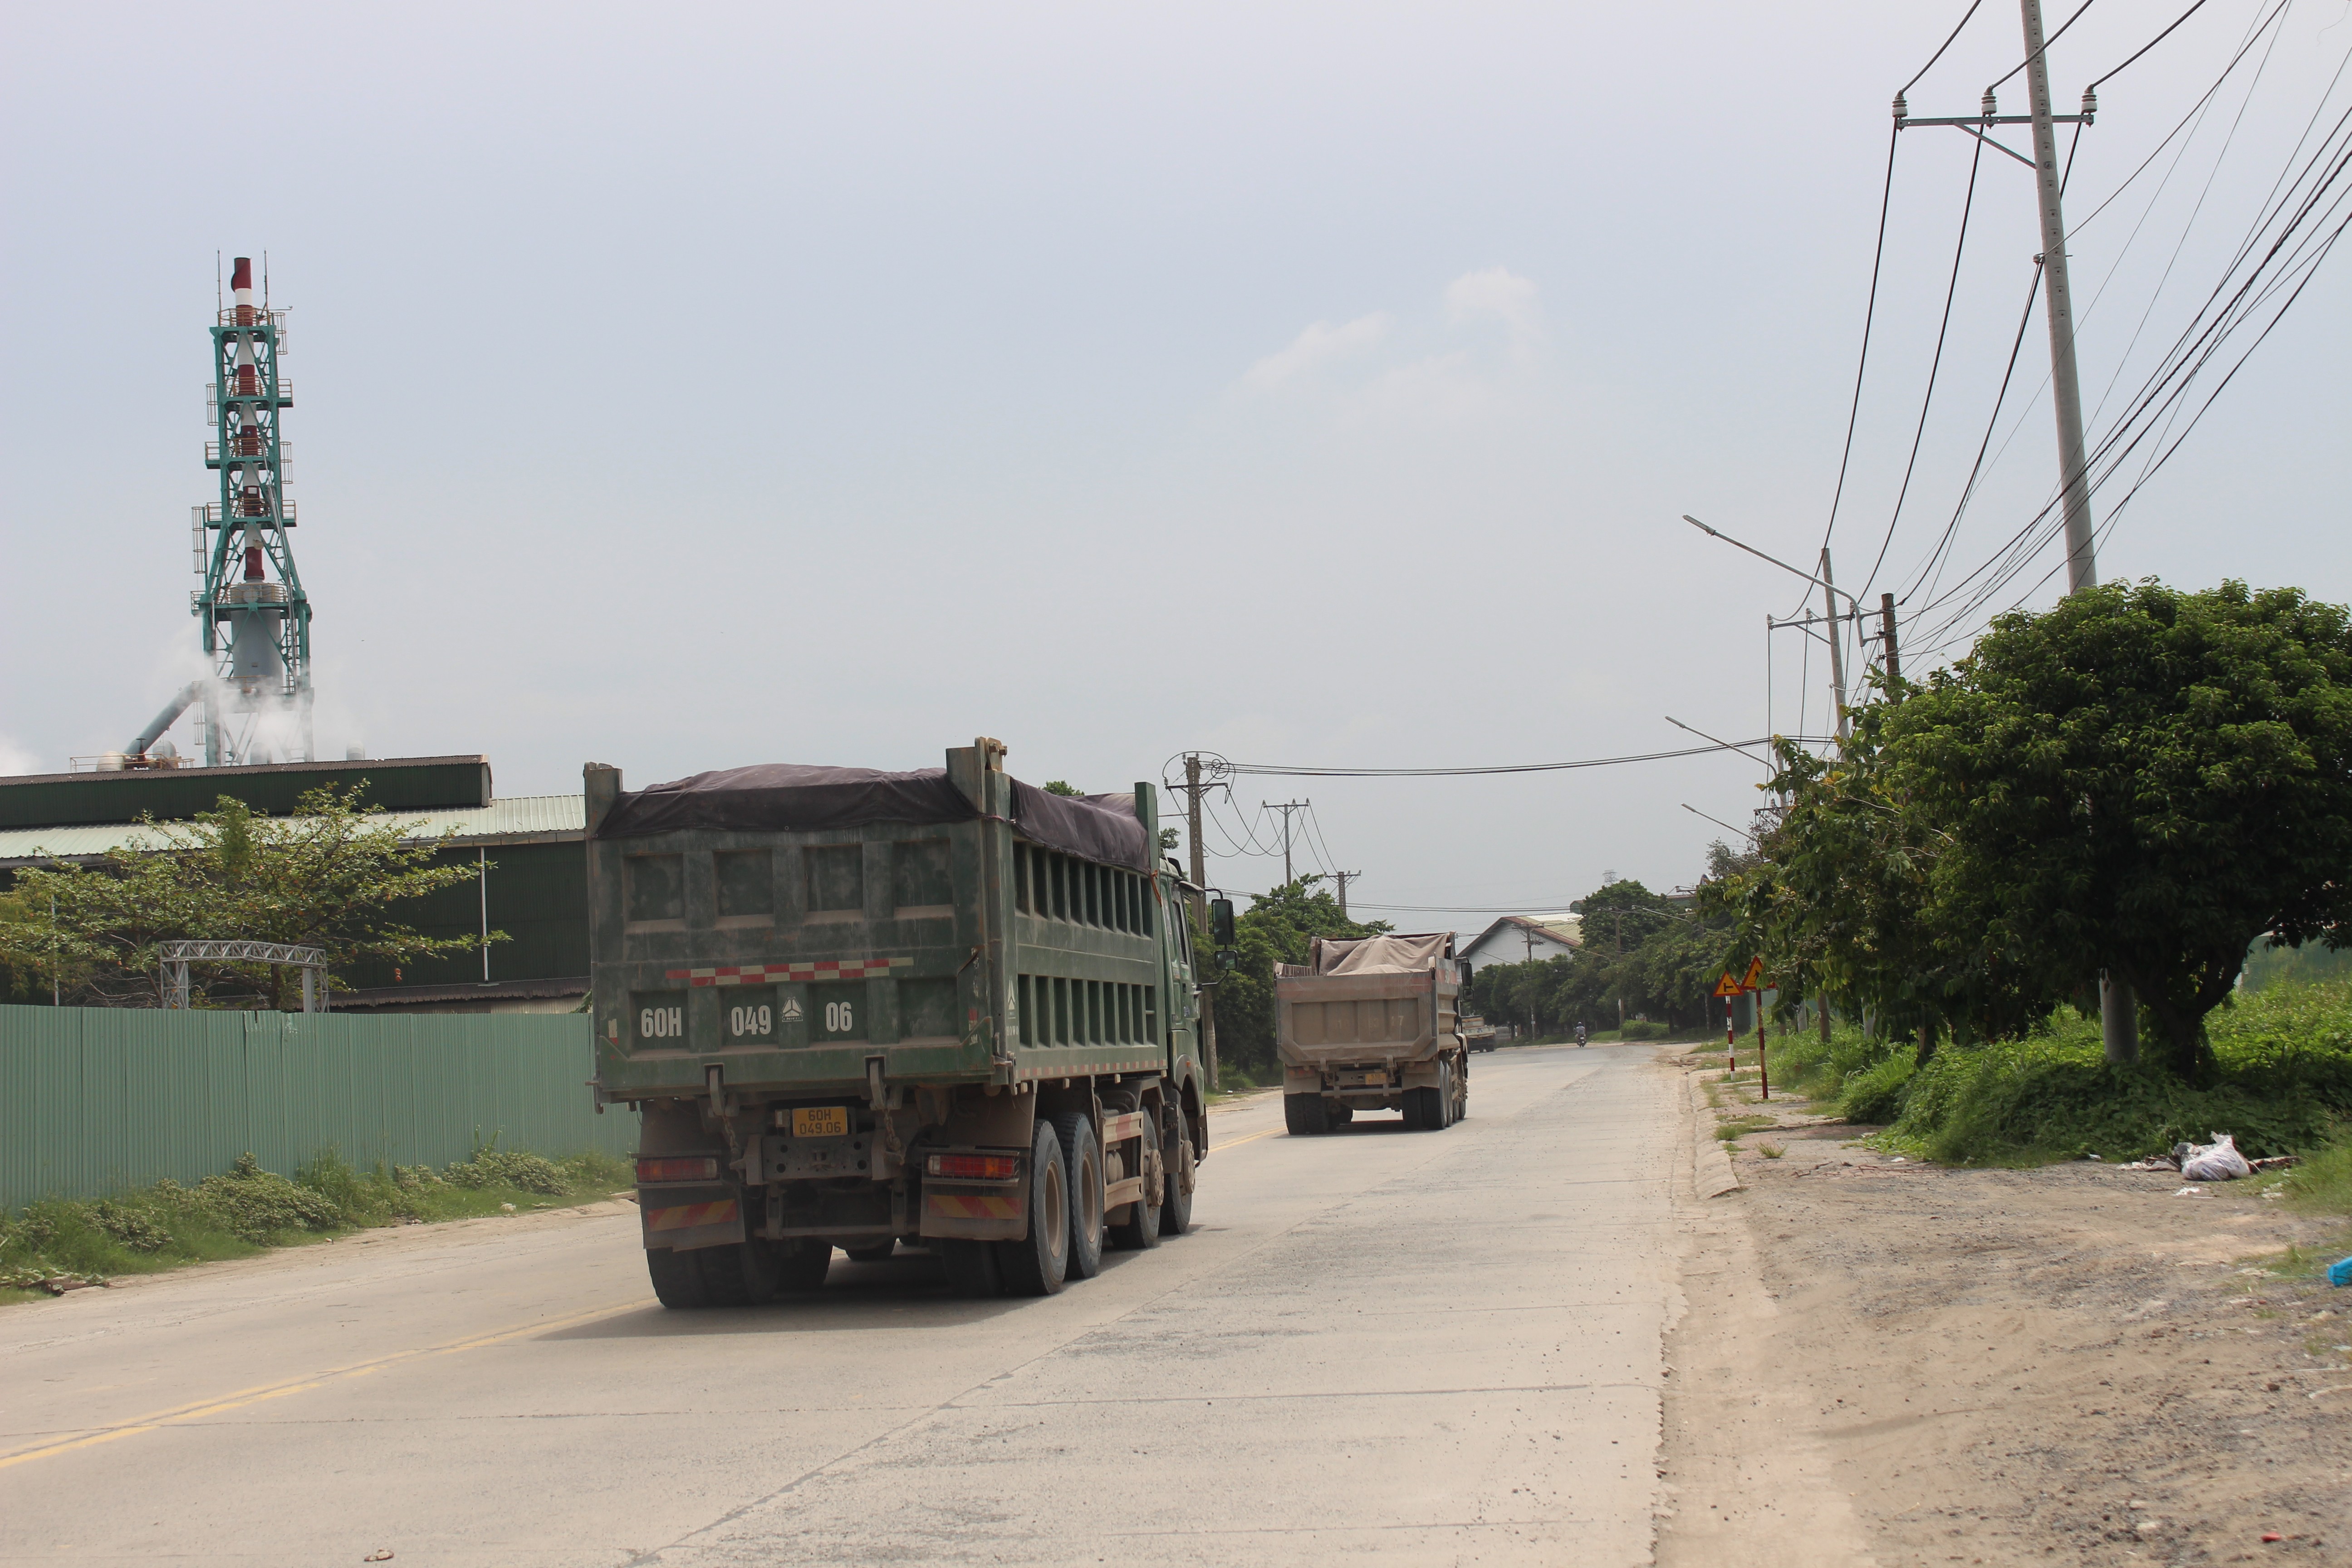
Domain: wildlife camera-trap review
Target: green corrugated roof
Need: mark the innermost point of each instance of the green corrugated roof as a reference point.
(525, 818)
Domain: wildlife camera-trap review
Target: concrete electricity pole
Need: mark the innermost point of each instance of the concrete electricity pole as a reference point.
(1192, 790)
(1886, 633)
(2065, 390)
(1344, 878)
(2118, 1008)
(1837, 644)
(1287, 807)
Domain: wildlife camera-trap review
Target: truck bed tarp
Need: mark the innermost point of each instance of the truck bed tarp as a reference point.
(796, 797)
(1380, 954)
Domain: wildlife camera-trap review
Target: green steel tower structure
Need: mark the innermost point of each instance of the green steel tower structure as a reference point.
(257, 709)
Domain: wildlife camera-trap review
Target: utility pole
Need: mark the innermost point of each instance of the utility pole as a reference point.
(1343, 878)
(2118, 1008)
(1886, 632)
(1837, 644)
(2065, 390)
(1192, 791)
(1287, 807)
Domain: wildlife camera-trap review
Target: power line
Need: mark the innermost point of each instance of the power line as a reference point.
(1869, 315)
(1940, 48)
(1976, 471)
(1275, 769)
(1951, 291)
(2050, 40)
(2144, 48)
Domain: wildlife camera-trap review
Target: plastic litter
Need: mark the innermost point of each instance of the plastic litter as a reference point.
(2340, 1274)
(2215, 1162)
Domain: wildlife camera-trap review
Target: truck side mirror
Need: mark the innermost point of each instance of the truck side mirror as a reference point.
(1464, 967)
(1221, 921)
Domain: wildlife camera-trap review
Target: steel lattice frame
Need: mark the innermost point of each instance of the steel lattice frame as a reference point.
(175, 957)
(248, 396)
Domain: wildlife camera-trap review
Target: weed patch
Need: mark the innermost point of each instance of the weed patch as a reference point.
(246, 1209)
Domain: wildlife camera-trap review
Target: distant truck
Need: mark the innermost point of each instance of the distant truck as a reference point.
(1477, 1034)
(865, 1009)
(1369, 1024)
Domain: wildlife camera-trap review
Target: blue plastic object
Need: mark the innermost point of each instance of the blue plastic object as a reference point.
(2341, 1273)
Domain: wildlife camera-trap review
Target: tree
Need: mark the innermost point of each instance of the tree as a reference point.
(1060, 786)
(326, 876)
(1275, 929)
(2139, 780)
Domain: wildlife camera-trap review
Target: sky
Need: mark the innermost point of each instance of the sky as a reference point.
(1314, 386)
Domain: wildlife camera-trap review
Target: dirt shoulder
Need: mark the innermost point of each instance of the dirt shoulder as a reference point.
(1998, 1366)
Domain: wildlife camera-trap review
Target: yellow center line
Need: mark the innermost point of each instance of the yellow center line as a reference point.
(1251, 1138)
(262, 1392)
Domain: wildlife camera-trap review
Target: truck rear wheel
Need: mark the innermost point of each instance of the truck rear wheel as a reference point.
(798, 1265)
(678, 1278)
(971, 1267)
(1083, 1152)
(1176, 1197)
(1038, 1263)
(1303, 1115)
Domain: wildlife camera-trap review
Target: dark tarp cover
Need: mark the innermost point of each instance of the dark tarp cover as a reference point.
(792, 797)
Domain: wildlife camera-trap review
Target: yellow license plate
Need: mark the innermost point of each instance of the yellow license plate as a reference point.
(821, 1121)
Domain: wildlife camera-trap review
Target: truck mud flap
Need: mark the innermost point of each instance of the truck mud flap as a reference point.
(997, 1215)
(685, 1218)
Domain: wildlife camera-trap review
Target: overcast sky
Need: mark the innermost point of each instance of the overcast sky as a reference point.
(1311, 384)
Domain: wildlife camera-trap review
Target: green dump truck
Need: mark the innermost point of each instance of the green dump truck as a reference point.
(866, 1009)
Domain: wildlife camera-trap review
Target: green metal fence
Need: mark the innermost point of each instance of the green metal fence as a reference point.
(96, 1100)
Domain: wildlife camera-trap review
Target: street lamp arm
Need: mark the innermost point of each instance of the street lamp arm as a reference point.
(1808, 576)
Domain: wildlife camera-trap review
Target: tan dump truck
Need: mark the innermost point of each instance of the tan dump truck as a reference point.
(1371, 1024)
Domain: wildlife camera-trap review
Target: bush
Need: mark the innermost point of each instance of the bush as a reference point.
(1639, 1029)
(1874, 1095)
(254, 1205)
(494, 1167)
(2283, 1082)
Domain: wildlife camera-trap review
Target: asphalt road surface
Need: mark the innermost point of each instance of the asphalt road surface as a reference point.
(1428, 1347)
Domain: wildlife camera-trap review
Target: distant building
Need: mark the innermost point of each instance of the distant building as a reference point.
(536, 891)
(1516, 939)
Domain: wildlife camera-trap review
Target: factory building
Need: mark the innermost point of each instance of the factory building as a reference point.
(534, 890)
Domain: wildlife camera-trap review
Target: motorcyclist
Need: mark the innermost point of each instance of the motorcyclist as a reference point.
(1579, 1037)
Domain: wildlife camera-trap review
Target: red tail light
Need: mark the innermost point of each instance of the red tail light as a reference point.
(697, 1168)
(974, 1167)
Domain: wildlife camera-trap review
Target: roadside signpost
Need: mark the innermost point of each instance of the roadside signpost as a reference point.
(1730, 989)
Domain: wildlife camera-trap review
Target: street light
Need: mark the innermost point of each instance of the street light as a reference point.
(1830, 590)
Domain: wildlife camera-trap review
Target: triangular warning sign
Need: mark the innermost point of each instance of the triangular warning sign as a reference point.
(1727, 986)
(1755, 981)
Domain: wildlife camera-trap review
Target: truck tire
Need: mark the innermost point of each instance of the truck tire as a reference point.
(731, 1278)
(1337, 1115)
(1411, 1102)
(1445, 1081)
(1039, 1263)
(1462, 1090)
(800, 1266)
(1176, 1198)
(1303, 1115)
(971, 1267)
(1140, 1231)
(1082, 1151)
(678, 1278)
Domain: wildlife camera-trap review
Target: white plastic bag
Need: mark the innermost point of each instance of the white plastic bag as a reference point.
(2215, 1162)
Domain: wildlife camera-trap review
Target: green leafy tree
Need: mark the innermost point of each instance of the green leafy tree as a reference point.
(2140, 779)
(1060, 786)
(1275, 929)
(329, 877)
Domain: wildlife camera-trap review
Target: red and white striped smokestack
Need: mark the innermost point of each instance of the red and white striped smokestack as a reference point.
(241, 280)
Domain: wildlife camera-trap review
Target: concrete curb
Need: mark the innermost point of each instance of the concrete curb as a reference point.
(1711, 1172)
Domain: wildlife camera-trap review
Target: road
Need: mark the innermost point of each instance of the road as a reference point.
(1427, 1347)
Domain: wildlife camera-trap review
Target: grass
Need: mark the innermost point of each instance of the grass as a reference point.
(2283, 1085)
(246, 1210)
